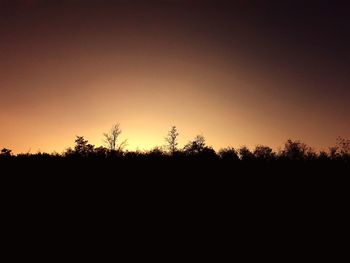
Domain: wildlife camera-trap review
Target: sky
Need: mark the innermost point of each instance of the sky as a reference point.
(238, 72)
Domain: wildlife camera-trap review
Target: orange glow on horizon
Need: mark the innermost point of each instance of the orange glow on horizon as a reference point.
(76, 69)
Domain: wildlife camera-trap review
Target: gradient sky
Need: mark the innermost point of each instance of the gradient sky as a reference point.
(239, 72)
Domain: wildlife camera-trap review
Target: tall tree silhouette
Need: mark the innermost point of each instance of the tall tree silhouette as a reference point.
(171, 140)
(111, 138)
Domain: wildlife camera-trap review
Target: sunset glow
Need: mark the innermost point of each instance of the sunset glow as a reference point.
(221, 70)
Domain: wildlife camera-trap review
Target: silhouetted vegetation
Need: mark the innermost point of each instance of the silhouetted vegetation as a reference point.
(111, 139)
(171, 140)
(196, 154)
(5, 152)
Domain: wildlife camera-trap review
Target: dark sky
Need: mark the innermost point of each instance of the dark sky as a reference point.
(240, 72)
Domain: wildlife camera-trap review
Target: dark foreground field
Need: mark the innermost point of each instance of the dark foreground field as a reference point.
(168, 166)
(162, 206)
(164, 171)
(165, 180)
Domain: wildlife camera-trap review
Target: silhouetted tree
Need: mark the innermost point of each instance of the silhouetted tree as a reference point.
(171, 140)
(68, 152)
(229, 154)
(195, 146)
(333, 152)
(245, 154)
(262, 152)
(295, 150)
(111, 139)
(208, 153)
(198, 148)
(6, 152)
(82, 147)
(343, 146)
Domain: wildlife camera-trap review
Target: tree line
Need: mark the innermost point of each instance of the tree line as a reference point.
(197, 148)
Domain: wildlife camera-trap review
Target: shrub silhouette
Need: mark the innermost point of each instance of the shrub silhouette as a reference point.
(196, 146)
(156, 152)
(229, 154)
(101, 152)
(6, 152)
(296, 150)
(82, 147)
(265, 153)
(245, 154)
